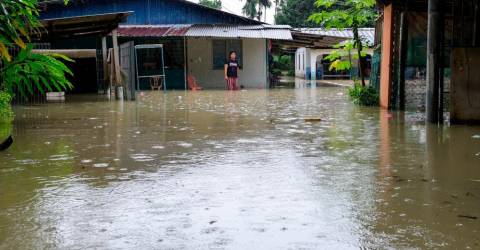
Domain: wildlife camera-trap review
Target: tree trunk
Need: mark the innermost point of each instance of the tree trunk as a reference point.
(265, 17)
(358, 41)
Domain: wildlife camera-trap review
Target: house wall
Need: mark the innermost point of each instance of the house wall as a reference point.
(465, 86)
(146, 11)
(302, 62)
(252, 75)
(308, 67)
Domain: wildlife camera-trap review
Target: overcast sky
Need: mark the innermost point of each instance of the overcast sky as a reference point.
(235, 6)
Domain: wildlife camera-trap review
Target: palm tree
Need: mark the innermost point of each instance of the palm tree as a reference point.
(265, 4)
(278, 5)
(250, 8)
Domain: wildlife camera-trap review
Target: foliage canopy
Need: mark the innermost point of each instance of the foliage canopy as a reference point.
(216, 4)
(296, 13)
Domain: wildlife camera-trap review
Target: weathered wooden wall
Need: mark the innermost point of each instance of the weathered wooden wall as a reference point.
(146, 12)
(465, 87)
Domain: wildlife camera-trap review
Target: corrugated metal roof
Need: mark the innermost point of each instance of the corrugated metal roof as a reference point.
(367, 34)
(274, 32)
(152, 30)
(280, 32)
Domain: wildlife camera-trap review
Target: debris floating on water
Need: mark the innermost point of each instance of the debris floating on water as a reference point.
(312, 119)
(100, 165)
(467, 216)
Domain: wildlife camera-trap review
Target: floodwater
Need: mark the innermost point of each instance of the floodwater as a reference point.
(237, 170)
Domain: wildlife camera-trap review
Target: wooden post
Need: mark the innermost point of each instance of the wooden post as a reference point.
(185, 58)
(433, 62)
(476, 33)
(116, 57)
(105, 65)
(403, 59)
(386, 64)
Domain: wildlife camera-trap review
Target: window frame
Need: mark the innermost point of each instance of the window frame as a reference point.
(228, 48)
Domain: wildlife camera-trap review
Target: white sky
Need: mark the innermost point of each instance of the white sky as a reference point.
(235, 6)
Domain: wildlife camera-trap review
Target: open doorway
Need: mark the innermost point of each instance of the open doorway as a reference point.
(84, 77)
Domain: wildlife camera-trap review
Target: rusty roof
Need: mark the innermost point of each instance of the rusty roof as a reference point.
(152, 30)
(275, 32)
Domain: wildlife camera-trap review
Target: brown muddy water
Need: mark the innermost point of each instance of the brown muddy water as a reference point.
(243, 170)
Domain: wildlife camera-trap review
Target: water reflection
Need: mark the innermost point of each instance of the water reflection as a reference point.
(238, 170)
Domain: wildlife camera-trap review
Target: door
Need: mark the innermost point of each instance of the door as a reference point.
(127, 65)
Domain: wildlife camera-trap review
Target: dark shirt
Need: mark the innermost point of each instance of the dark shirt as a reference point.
(232, 69)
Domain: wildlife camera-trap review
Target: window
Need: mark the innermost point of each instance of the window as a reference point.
(221, 49)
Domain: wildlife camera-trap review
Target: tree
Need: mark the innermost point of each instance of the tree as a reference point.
(265, 4)
(352, 14)
(295, 13)
(216, 4)
(278, 4)
(19, 20)
(250, 8)
(255, 8)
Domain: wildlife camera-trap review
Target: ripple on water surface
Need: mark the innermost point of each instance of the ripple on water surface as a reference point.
(242, 170)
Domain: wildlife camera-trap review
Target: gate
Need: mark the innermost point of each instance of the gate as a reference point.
(127, 66)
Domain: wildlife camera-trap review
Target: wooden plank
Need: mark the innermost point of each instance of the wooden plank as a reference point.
(116, 58)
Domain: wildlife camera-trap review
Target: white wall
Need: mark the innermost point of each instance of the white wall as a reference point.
(302, 62)
(311, 56)
(200, 65)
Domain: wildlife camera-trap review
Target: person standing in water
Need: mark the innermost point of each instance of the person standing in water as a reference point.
(231, 71)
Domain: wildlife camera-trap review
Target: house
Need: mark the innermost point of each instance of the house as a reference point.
(310, 62)
(167, 39)
(430, 50)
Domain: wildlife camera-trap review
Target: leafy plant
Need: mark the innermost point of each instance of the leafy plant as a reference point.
(342, 58)
(363, 95)
(343, 14)
(46, 72)
(19, 19)
(6, 113)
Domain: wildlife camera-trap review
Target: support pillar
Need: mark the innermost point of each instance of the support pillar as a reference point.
(403, 59)
(386, 64)
(105, 65)
(116, 58)
(433, 62)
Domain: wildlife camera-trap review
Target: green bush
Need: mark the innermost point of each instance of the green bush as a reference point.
(6, 113)
(276, 72)
(291, 72)
(364, 96)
